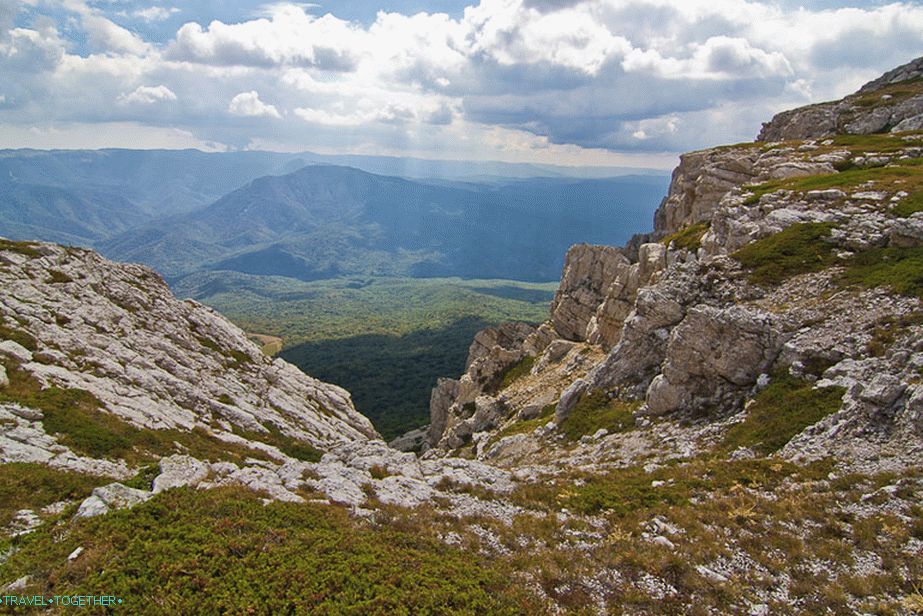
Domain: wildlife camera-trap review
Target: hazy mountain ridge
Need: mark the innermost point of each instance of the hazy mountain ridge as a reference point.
(324, 221)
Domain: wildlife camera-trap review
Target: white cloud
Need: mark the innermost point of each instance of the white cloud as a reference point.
(512, 79)
(249, 104)
(147, 95)
(155, 13)
(290, 37)
(109, 36)
(71, 135)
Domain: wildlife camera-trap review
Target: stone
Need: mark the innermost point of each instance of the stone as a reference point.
(713, 352)
(663, 542)
(588, 272)
(4, 379)
(112, 496)
(177, 471)
(154, 361)
(18, 584)
(75, 554)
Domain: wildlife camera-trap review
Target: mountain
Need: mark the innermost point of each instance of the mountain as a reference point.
(326, 221)
(725, 416)
(44, 194)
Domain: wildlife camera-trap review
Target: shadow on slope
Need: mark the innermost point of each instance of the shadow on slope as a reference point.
(390, 377)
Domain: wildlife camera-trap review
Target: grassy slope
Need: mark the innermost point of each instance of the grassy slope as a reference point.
(223, 551)
(385, 340)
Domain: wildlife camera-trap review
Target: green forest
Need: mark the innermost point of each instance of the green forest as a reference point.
(386, 340)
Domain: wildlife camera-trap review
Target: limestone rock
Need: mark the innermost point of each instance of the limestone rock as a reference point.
(116, 331)
(177, 471)
(112, 496)
(588, 272)
(861, 113)
(711, 354)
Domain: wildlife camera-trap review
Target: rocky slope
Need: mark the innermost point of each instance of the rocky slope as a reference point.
(104, 373)
(767, 259)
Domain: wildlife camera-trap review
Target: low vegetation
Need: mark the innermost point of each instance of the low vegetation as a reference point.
(689, 238)
(517, 371)
(888, 331)
(291, 447)
(782, 410)
(597, 411)
(524, 426)
(224, 547)
(899, 269)
(17, 335)
(902, 174)
(798, 249)
(34, 486)
(909, 205)
(29, 249)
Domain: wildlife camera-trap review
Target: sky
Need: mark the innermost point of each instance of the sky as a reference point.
(573, 82)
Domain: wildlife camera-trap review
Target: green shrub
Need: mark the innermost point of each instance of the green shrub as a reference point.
(33, 486)
(909, 205)
(595, 411)
(223, 551)
(517, 371)
(17, 335)
(798, 249)
(527, 425)
(59, 277)
(900, 269)
(294, 448)
(689, 238)
(29, 249)
(782, 410)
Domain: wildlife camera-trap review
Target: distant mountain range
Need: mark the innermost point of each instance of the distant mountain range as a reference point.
(266, 213)
(327, 221)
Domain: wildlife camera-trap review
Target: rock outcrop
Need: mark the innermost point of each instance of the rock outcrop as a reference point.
(682, 328)
(117, 332)
(893, 102)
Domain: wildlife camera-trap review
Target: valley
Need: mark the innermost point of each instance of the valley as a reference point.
(386, 340)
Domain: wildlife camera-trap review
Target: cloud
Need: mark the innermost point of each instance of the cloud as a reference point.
(514, 79)
(155, 13)
(105, 35)
(249, 104)
(289, 37)
(148, 95)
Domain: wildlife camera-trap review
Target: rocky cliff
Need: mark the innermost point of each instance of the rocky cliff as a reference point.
(795, 257)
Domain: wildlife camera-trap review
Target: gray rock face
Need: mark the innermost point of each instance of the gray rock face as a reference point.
(457, 409)
(107, 498)
(588, 272)
(862, 113)
(712, 353)
(116, 331)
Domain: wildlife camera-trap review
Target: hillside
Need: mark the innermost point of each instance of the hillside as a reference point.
(723, 417)
(326, 221)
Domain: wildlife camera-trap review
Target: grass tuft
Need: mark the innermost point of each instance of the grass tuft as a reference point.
(165, 555)
(900, 269)
(689, 238)
(595, 411)
(517, 371)
(798, 249)
(782, 410)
